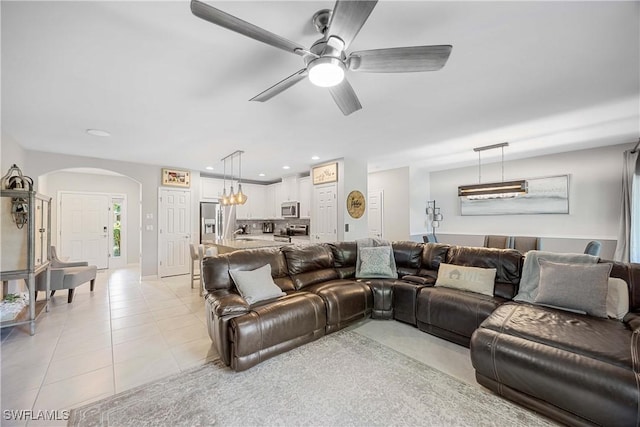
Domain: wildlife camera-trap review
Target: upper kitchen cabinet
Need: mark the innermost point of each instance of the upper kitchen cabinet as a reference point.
(210, 188)
(290, 189)
(304, 196)
(255, 207)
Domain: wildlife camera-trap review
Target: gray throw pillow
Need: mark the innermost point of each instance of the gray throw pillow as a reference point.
(581, 287)
(375, 262)
(256, 285)
(375, 271)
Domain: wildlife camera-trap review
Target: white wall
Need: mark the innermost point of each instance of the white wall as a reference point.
(12, 153)
(594, 198)
(82, 182)
(395, 185)
(352, 175)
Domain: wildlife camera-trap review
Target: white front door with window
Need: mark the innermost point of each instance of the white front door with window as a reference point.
(84, 228)
(174, 219)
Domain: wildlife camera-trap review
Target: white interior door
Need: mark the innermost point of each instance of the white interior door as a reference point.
(84, 226)
(174, 219)
(325, 215)
(374, 207)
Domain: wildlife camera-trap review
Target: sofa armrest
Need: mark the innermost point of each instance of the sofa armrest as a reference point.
(419, 280)
(633, 321)
(224, 302)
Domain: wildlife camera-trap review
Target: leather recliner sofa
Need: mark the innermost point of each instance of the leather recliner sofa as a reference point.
(544, 358)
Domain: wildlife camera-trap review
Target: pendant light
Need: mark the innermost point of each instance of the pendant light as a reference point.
(232, 196)
(224, 200)
(241, 198)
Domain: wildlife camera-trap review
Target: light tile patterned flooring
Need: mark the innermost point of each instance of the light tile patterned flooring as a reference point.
(126, 333)
(130, 332)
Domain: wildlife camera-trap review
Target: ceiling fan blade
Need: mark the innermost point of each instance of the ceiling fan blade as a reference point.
(218, 17)
(347, 19)
(281, 86)
(400, 59)
(345, 97)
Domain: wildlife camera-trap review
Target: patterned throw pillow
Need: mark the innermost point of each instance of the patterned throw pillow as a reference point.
(473, 279)
(375, 262)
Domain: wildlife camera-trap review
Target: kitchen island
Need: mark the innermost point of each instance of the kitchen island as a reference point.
(230, 245)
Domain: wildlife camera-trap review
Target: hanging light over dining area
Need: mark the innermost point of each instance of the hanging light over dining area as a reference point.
(232, 198)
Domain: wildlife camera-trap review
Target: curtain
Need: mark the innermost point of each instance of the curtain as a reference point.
(628, 244)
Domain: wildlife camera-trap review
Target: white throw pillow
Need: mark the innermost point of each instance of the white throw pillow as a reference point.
(617, 298)
(256, 285)
(474, 279)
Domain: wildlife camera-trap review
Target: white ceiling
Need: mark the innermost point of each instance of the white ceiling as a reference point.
(173, 89)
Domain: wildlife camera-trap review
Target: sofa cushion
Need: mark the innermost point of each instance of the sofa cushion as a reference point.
(432, 255)
(256, 285)
(345, 256)
(528, 289)
(408, 256)
(617, 298)
(507, 262)
(373, 243)
(580, 287)
(473, 279)
(452, 310)
(309, 264)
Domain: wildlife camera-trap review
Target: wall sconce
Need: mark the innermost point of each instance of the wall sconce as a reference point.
(494, 189)
(20, 211)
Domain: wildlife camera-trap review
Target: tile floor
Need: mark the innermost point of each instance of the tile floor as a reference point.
(129, 332)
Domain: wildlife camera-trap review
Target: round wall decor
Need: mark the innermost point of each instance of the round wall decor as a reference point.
(355, 204)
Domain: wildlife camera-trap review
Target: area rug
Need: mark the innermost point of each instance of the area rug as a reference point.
(343, 379)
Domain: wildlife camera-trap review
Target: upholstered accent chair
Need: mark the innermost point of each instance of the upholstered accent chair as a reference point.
(500, 242)
(593, 248)
(430, 238)
(67, 275)
(525, 244)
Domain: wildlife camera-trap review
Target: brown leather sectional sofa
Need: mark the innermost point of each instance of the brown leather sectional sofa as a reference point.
(574, 368)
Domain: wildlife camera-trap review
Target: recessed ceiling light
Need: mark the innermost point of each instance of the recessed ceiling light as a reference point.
(209, 168)
(98, 132)
(315, 158)
(286, 167)
(261, 174)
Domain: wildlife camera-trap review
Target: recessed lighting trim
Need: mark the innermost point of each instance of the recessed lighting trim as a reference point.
(98, 132)
(315, 158)
(209, 168)
(286, 167)
(261, 174)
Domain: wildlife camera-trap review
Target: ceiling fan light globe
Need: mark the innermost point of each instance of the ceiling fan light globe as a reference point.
(326, 72)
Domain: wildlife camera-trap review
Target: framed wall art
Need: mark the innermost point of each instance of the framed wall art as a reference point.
(176, 178)
(325, 173)
(549, 195)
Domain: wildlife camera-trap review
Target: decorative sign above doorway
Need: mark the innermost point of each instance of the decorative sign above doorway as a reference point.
(176, 178)
(325, 173)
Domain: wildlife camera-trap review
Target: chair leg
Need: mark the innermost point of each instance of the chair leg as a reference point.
(70, 297)
(35, 295)
(52, 293)
(93, 282)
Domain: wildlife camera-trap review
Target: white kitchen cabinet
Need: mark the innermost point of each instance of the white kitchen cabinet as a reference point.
(211, 188)
(254, 208)
(277, 199)
(289, 189)
(304, 196)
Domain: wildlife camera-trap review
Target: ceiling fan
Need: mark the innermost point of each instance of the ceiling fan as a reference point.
(326, 61)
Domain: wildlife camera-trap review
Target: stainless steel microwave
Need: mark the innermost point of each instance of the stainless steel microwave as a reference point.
(290, 210)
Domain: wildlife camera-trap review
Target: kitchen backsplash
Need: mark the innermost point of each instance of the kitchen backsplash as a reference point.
(255, 227)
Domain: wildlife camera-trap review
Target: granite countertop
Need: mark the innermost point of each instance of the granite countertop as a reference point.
(230, 245)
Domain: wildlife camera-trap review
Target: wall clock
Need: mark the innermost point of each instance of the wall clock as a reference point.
(355, 204)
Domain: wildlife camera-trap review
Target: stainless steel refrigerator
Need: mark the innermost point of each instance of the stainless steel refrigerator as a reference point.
(210, 221)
